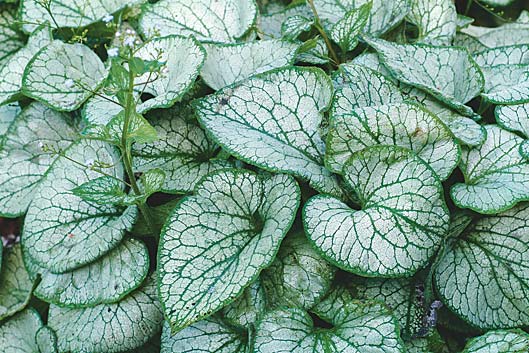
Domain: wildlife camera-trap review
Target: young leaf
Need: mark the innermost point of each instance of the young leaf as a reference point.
(15, 284)
(403, 124)
(10, 38)
(217, 241)
(207, 20)
(447, 73)
(484, 278)
(183, 59)
(103, 190)
(435, 19)
(384, 14)
(345, 32)
(152, 181)
(105, 281)
(11, 73)
(298, 277)
(314, 51)
(63, 76)
(273, 121)
(139, 130)
(69, 13)
(109, 328)
(17, 335)
(295, 25)
(183, 151)
(248, 307)
(61, 231)
(240, 61)
(401, 223)
(357, 327)
(496, 175)
(500, 341)
(209, 335)
(23, 160)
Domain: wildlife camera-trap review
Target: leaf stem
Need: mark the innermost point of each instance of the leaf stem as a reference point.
(319, 27)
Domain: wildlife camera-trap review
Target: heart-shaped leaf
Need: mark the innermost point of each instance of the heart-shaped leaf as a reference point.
(61, 231)
(240, 61)
(23, 155)
(500, 341)
(18, 334)
(109, 328)
(63, 76)
(447, 73)
(273, 121)
(107, 280)
(207, 20)
(217, 241)
(404, 124)
(496, 175)
(435, 20)
(402, 220)
(484, 277)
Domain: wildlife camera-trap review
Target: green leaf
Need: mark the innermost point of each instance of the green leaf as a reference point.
(103, 190)
(152, 181)
(210, 335)
(10, 38)
(69, 13)
(315, 52)
(63, 76)
(17, 335)
(183, 151)
(402, 220)
(15, 284)
(357, 327)
(109, 328)
(403, 124)
(183, 59)
(61, 231)
(248, 307)
(217, 241)
(273, 121)
(22, 159)
(500, 341)
(139, 130)
(447, 73)
(271, 25)
(484, 278)
(496, 175)
(11, 73)
(8, 113)
(506, 84)
(345, 32)
(240, 61)
(207, 20)
(299, 277)
(435, 19)
(107, 280)
(385, 15)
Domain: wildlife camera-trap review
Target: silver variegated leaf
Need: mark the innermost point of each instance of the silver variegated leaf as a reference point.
(500, 341)
(435, 20)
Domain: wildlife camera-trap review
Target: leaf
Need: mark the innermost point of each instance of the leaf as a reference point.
(69, 13)
(152, 181)
(105, 281)
(447, 73)
(345, 32)
(184, 58)
(435, 19)
(102, 191)
(10, 38)
(402, 220)
(506, 84)
(511, 55)
(248, 307)
(11, 73)
(109, 328)
(209, 335)
(8, 113)
(403, 124)
(207, 20)
(217, 241)
(316, 53)
(385, 15)
(183, 151)
(23, 160)
(484, 277)
(240, 61)
(17, 335)
(500, 341)
(63, 76)
(15, 284)
(61, 231)
(273, 121)
(298, 277)
(46, 340)
(514, 118)
(495, 174)
(357, 327)
(510, 33)
(294, 26)
(271, 25)
(139, 130)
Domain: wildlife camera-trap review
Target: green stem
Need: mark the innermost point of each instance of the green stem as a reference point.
(319, 27)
